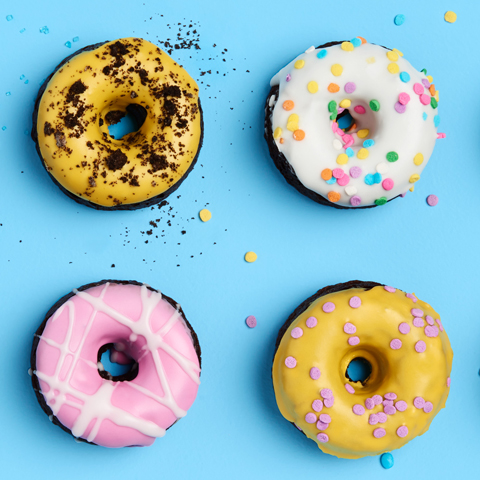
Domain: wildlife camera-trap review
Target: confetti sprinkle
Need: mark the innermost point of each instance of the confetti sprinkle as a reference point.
(393, 68)
(399, 19)
(374, 105)
(68, 44)
(288, 105)
(312, 87)
(290, 362)
(250, 257)
(44, 30)
(322, 54)
(337, 70)
(348, 46)
(392, 156)
(381, 201)
(404, 77)
(205, 215)
(333, 88)
(75, 39)
(9, 18)
(432, 200)
(299, 135)
(450, 17)
(299, 64)
(251, 321)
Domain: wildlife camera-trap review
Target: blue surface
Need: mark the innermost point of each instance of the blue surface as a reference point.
(49, 244)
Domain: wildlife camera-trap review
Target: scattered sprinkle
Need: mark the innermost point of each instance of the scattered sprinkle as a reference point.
(251, 321)
(76, 39)
(432, 200)
(290, 362)
(23, 30)
(68, 44)
(450, 17)
(297, 332)
(386, 460)
(399, 19)
(7, 94)
(333, 88)
(9, 18)
(205, 215)
(250, 257)
(328, 307)
(337, 70)
(374, 105)
(44, 30)
(299, 64)
(322, 54)
(404, 77)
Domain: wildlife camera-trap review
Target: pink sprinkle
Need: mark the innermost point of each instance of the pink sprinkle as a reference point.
(418, 322)
(349, 328)
(387, 184)
(328, 307)
(426, 82)
(387, 403)
(311, 322)
(390, 410)
(389, 289)
(399, 108)
(358, 409)
(418, 88)
(290, 362)
(340, 109)
(402, 431)
(429, 320)
(326, 393)
(424, 99)
(439, 324)
(404, 98)
(289, 77)
(251, 321)
(432, 200)
(390, 396)
(297, 332)
(449, 381)
(382, 417)
(401, 405)
(355, 172)
(317, 405)
(369, 403)
(428, 407)
(373, 419)
(322, 426)
(348, 139)
(420, 346)
(379, 432)
(431, 331)
(328, 402)
(359, 109)
(404, 328)
(416, 312)
(355, 302)
(412, 297)
(418, 402)
(441, 135)
(315, 373)
(338, 173)
(310, 417)
(322, 437)
(325, 418)
(350, 87)
(349, 388)
(335, 127)
(343, 181)
(377, 399)
(352, 341)
(355, 201)
(396, 344)
(298, 427)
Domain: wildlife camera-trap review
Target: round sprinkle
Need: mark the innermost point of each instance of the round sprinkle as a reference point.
(355, 172)
(424, 99)
(355, 302)
(350, 87)
(369, 143)
(399, 108)
(369, 403)
(288, 105)
(322, 53)
(393, 56)
(440, 326)
(332, 105)
(418, 88)
(288, 77)
(347, 46)
(433, 103)
(404, 328)
(393, 68)
(338, 173)
(381, 201)
(450, 17)
(387, 184)
(402, 431)
(312, 87)
(343, 181)
(404, 77)
(418, 402)
(449, 381)
(359, 109)
(377, 399)
(310, 417)
(426, 83)
(401, 405)
(436, 120)
(325, 418)
(399, 19)
(374, 105)
(392, 156)
(329, 402)
(362, 154)
(352, 341)
(333, 88)
(297, 332)
(418, 322)
(379, 432)
(292, 122)
(418, 159)
(390, 396)
(342, 159)
(356, 42)
(345, 103)
(416, 312)
(315, 374)
(317, 405)
(251, 321)
(351, 190)
(328, 307)
(299, 64)
(311, 322)
(363, 133)
(387, 403)
(358, 409)
(326, 393)
(431, 332)
(322, 426)
(396, 344)
(322, 437)
(420, 346)
(389, 289)
(404, 98)
(349, 388)
(298, 134)
(349, 328)
(205, 215)
(326, 174)
(290, 362)
(428, 407)
(389, 409)
(355, 201)
(432, 200)
(336, 70)
(250, 257)
(373, 419)
(429, 320)
(337, 144)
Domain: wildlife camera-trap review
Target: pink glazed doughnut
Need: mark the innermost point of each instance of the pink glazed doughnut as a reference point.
(87, 402)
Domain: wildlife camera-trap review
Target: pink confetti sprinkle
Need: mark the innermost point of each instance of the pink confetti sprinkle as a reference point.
(441, 135)
(418, 402)
(349, 328)
(343, 181)
(379, 432)
(355, 172)
(355, 201)
(449, 381)
(325, 418)
(418, 322)
(326, 393)
(404, 328)
(390, 396)
(418, 88)
(404, 98)
(390, 410)
(416, 312)
(428, 407)
(349, 388)
(315, 373)
(338, 173)
(377, 399)
(359, 109)
(387, 184)
(340, 109)
(289, 77)
(401, 405)
(310, 417)
(382, 417)
(297, 332)
(420, 346)
(369, 403)
(352, 341)
(251, 321)
(402, 431)
(412, 297)
(358, 409)
(432, 200)
(387, 403)
(350, 87)
(431, 331)
(429, 320)
(373, 419)
(389, 289)
(426, 83)
(335, 127)
(328, 307)
(322, 426)
(424, 99)
(399, 108)
(290, 362)
(317, 405)
(396, 344)
(355, 302)
(440, 325)
(298, 427)
(311, 322)
(322, 437)
(328, 402)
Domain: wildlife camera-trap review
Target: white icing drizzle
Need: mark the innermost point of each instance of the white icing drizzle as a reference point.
(98, 406)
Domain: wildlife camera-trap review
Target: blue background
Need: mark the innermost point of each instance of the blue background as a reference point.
(49, 244)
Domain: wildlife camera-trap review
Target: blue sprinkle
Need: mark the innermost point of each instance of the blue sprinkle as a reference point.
(356, 42)
(436, 120)
(349, 151)
(22, 77)
(425, 116)
(9, 18)
(26, 81)
(399, 19)
(369, 179)
(369, 143)
(22, 30)
(387, 460)
(332, 181)
(4, 128)
(44, 30)
(7, 94)
(404, 77)
(322, 53)
(377, 178)
(68, 44)
(76, 39)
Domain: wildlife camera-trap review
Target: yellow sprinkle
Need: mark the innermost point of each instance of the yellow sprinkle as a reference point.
(414, 178)
(299, 64)
(418, 159)
(342, 159)
(450, 17)
(371, 60)
(347, 46)
(337, 69)
(397, 51)
(312, 87)
(393, 56)
(412, 189)
(430, 78)
(250, 257)
(345, 103)
(205, 215)
(277, 133)
(292, 123)
(362, 154)
(393, 68)
(436, 95)
(363, 133)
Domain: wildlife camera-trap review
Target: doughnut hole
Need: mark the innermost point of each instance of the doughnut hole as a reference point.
(359, 370)
(120, 120)
(115, 363)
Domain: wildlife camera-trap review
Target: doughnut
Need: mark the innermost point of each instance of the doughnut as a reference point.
(96, 87)
(351, 124)
(397, 336)
(146, 328)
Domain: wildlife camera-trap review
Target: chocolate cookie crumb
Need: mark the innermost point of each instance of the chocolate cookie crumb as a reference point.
(116, 160)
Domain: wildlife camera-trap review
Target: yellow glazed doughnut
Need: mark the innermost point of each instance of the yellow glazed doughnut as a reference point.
(403, 340)
(96, 87)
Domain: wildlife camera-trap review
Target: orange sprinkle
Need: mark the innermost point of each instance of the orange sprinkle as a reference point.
(326, 174)
(353, 127)
(298, 134)
(333, 87)
(432, 89)
(333, 196)
(288, 104)
(362, 39)
(282, 140)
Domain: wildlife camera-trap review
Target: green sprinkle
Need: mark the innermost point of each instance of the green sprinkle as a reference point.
(332, 106)
(433, 102)
(334, 114)
(375, 105)
(424, 71)
(392, 156)
(381, 201)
